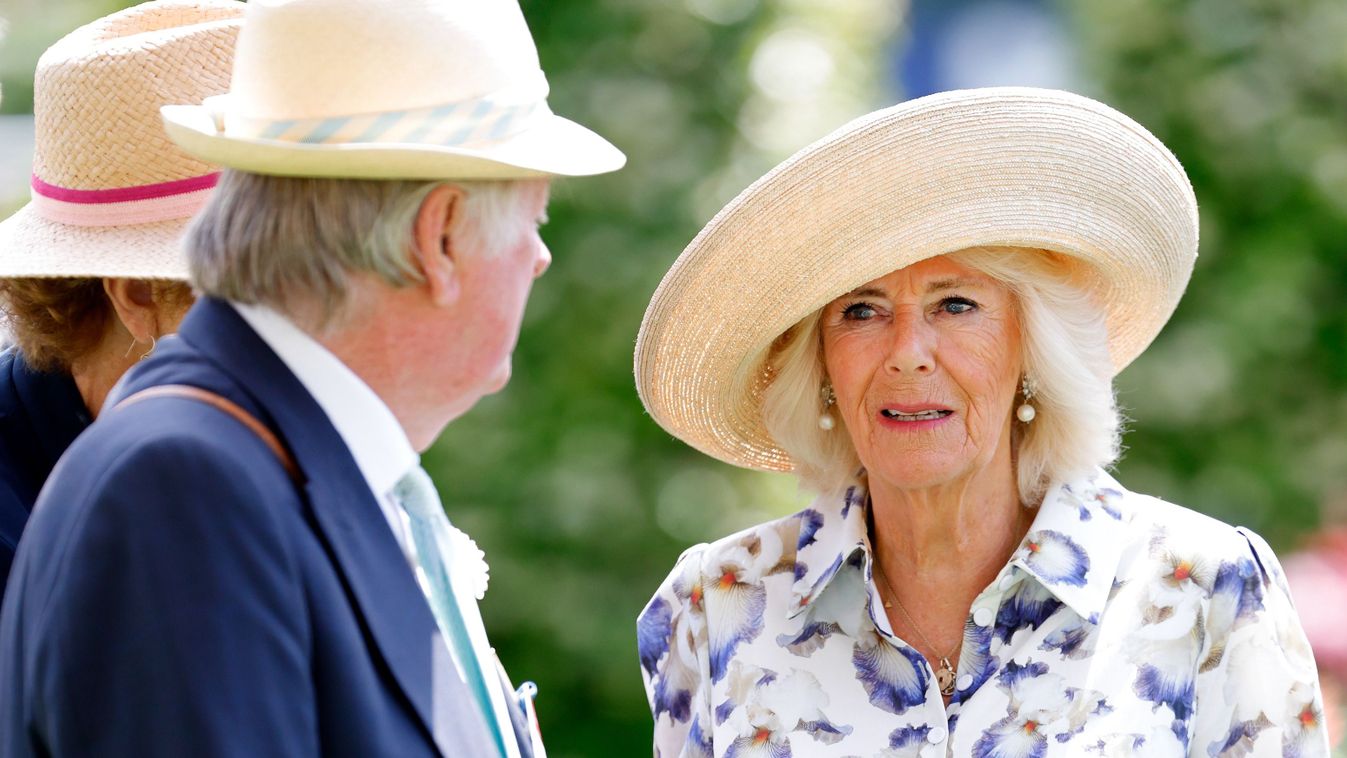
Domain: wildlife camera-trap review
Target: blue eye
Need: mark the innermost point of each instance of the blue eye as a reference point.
(957, 305)
(858, 312)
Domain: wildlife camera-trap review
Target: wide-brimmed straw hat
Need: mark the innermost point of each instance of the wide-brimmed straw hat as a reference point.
(111, 194)
(1017, 167)
(389, 89)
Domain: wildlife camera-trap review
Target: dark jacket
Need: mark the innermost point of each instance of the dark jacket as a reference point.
(40, 415)
(177, 594)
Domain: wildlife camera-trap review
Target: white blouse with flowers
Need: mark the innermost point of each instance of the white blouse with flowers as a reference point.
(1122, 626)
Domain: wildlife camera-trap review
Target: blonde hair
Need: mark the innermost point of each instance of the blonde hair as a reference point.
(1065, 353)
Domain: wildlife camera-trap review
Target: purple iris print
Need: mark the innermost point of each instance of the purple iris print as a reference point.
(893, 675)
(1027, 607)
(1055, 558)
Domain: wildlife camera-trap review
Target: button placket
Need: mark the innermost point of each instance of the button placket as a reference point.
(984, 616)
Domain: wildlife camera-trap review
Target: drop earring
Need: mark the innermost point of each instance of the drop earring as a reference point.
(826, 422)
(1026, 412)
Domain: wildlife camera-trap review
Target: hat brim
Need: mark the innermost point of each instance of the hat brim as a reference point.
(32, 246)
(553, 147)
(1015, 167)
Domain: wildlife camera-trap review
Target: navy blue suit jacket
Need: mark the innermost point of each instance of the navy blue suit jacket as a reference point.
(177, 594)
(40, 415)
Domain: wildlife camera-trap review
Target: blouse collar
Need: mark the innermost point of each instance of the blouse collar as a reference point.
(1072, 548)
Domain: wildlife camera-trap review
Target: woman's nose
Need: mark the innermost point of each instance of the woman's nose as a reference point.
(912, 350)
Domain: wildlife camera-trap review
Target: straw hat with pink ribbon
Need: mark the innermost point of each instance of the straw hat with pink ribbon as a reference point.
(388, 89)
(111, 194)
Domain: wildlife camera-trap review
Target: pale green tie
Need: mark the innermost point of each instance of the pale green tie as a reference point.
(430, 532)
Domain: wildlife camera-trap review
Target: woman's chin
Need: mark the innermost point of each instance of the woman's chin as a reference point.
(919, 470)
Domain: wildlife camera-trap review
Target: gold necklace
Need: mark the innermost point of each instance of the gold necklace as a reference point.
(944, 676)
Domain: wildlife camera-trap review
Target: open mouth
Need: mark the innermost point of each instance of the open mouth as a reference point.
(918, 416)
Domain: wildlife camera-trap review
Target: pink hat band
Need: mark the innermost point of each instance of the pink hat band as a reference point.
(122, 206)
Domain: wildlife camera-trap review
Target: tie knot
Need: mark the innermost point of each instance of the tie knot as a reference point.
(416, 492)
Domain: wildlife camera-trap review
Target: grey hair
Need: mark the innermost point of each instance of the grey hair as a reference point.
(281, 241)
(1065, 352)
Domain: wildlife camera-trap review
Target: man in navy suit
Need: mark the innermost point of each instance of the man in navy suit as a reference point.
(244, 557)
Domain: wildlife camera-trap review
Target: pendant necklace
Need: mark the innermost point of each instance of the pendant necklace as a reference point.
(944, 675)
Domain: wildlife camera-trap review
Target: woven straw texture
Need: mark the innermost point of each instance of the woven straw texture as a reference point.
(1000, 166)
(97, 94)
(33, 246)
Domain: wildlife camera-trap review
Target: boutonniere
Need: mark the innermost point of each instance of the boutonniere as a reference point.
(469, 562)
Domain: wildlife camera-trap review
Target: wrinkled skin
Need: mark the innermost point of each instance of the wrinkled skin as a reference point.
(938, 335)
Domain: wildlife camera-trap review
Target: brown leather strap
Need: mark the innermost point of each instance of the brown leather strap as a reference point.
(226, 405)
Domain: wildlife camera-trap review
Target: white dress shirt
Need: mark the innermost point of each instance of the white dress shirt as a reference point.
(382, 452)
(371, 432)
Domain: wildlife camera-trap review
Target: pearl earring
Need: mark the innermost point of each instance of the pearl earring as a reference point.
(1026, 412)
(826, 422)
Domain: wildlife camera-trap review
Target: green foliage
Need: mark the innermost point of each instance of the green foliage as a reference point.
(583, 504)
(1239, 407)
(27, 27)
(558, 477)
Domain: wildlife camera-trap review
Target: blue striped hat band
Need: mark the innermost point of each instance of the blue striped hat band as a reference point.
(460, 124)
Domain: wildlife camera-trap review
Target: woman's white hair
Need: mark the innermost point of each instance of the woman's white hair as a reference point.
(279, 240)
(1065, 355)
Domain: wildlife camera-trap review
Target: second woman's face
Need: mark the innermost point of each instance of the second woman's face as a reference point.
(925, 363)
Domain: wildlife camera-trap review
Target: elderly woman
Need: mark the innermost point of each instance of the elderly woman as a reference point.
(921, 315)
(91, 275)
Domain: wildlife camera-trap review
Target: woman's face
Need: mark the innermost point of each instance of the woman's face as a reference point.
(925, 363)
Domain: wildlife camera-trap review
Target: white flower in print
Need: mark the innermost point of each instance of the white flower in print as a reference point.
(1121, 626)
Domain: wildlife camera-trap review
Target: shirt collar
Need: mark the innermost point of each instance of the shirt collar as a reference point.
(370, 430)
(1072, 548)
(1074, 545)
(832, 530)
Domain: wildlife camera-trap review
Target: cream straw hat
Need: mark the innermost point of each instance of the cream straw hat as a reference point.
(1003, 166)
(389, 89)
(111, 195)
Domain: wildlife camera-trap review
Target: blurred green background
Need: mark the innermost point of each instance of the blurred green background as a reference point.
(583, 504)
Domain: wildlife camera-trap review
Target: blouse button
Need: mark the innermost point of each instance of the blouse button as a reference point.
(936, 735)
(982, 617)
(965, 681)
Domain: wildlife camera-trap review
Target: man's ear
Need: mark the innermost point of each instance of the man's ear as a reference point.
(437, 223)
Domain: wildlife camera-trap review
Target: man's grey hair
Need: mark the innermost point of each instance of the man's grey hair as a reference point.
(1065, 351)
(294, 242)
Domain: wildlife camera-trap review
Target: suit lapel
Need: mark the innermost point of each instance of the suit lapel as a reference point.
(352, 525)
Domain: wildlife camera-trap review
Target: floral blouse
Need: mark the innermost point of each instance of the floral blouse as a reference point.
(1122, 626)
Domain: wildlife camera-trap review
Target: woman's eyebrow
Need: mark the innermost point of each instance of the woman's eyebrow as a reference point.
(940, 285)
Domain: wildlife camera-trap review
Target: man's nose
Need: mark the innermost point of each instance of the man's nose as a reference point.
(544, 259)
